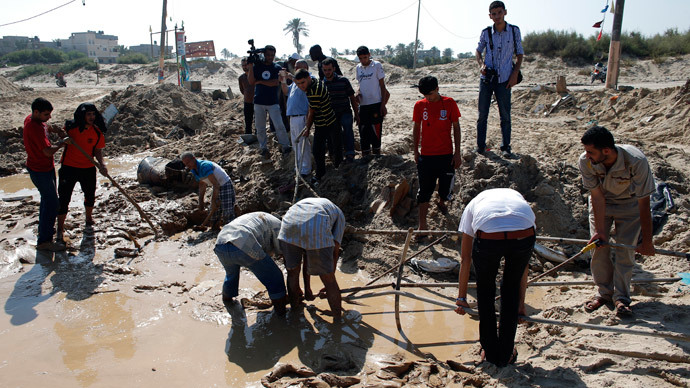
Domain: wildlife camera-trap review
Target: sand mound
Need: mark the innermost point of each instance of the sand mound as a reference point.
(7, 87)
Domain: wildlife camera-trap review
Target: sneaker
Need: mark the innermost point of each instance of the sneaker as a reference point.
(506, 154)
(51, 246)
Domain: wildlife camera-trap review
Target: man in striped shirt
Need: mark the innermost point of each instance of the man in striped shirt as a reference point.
(322, 116)
(498, 73)
(313, 229)
(209, 173)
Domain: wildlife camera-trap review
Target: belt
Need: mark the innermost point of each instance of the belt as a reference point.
(296, 115)
(508, 235)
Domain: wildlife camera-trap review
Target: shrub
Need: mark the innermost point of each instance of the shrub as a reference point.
(133, 58)
(44, 55)
(28, 71)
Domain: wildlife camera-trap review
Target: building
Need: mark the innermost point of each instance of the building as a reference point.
(147, 49)
(9, 44)
(94, 45)
(434, 53)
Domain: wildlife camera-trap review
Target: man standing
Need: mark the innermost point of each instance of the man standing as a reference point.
(498, 73)
(248, 241)
(264, 77)
(342, 97)
(316, 54)
(41, 167)
(373, 100)
(247, 91)
(313, 229)
(322, 116)
(433, 118)
(497, 223)
(209, 173)
(620, 182)
(297, 110)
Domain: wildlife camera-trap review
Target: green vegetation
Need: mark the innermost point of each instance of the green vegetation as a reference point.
(44, 55)
(573, 46)
(133, 58)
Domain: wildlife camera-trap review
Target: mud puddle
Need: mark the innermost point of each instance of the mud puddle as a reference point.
(80, 322)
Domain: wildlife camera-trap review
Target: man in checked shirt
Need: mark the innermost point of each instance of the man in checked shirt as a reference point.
(313, 229)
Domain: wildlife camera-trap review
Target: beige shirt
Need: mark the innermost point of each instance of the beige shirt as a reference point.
(630, 177)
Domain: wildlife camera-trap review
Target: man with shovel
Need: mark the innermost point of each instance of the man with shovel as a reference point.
(620, 182)
(223, 198)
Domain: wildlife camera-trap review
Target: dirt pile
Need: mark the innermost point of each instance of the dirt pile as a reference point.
(7, 87)
(151, 116)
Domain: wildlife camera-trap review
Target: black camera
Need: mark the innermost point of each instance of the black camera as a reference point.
(490, 76)
(255, 55)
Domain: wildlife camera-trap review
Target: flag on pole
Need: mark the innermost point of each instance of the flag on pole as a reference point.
(599, 36)
(598, 24)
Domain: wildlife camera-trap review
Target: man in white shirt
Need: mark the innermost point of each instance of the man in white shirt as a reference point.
(373, 97)
(497, 223)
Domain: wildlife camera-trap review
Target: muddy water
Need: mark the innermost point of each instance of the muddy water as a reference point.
(67, 325)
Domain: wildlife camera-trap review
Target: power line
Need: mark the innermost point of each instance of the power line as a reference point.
(442, 26)
(40, 14)
(345, 21)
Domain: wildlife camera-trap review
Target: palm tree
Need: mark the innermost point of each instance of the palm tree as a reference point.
(389, 50)
(225, 53)
(334, 52)
(296, 27)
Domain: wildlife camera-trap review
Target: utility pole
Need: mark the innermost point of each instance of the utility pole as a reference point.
(151, 37)
(416, 36)
(615, 47)
(161, 62)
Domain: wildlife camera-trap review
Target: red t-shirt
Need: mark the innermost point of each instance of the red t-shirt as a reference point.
(35, 140)
(436, 119)
(86, 140)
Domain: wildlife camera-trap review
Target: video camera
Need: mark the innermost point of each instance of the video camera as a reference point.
(490, 75)
(254, 53)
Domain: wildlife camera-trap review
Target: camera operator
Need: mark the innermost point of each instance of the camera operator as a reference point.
(264, 77)
(498, 73)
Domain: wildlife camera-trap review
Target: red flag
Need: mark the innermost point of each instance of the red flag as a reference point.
(597, 24)
(599, 37)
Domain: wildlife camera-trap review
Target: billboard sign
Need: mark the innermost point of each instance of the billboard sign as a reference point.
(200, 49)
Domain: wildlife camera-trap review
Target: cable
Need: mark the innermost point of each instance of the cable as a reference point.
(40, 14)
(442, 26)
(345, 21)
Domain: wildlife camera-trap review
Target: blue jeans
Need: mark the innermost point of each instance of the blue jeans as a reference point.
(266, 270)
(47, 214)
(486, 90)
(345, 119)
(486, 257)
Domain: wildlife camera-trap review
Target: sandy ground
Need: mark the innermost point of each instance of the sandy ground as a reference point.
(90, 318)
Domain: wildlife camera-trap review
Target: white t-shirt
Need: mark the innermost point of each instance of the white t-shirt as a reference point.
(368, 78)
(220, 175)
(496, 210)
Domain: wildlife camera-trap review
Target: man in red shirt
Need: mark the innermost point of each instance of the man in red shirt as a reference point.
(433, 118)
(39, 163)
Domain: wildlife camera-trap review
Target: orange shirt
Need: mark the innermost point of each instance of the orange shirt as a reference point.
(89, 140)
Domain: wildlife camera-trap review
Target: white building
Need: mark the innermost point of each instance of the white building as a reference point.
(94, 45)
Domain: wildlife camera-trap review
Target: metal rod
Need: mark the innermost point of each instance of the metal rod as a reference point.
(588, 248)
(667, 335)
(535, 284)
(401, 266)
(665, 252)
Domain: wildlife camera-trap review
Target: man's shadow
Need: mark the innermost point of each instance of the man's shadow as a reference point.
(28, 290)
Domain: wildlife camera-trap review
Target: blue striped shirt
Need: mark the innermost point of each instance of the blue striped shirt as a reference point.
(503, 51)
(313, 223)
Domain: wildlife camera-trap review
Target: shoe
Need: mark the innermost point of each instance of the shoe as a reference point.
(623, 309)
(480, 151)
(594, 303)
(286, 150)
(506, 154)
(349, 159)
(51, 246)
(315, 182)
(265, 153)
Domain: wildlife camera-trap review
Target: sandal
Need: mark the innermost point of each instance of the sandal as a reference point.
(594, 303)
(482, 357)
(622, 309)
(514, 357)
(442, 207)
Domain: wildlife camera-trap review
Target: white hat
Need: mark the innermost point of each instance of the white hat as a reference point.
(295, 56)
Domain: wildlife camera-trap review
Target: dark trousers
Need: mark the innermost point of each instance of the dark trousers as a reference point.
(486, 257)
(370, 122)
(47, 213)
(327, 137)
(248, 117)
(69, 176)
(486, 90)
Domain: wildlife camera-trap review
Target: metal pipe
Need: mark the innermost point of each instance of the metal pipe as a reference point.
(403, 256)
(535, 284)
(667, 335)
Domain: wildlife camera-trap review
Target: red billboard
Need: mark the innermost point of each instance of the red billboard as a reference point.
(200, 49)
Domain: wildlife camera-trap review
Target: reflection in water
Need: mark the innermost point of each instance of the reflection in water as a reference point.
(321, 346)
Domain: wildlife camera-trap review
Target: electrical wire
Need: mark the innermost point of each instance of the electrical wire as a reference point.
(442, 26)
(345, 21)
(40, 14)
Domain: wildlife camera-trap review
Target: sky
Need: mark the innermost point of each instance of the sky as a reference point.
(454, 24)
